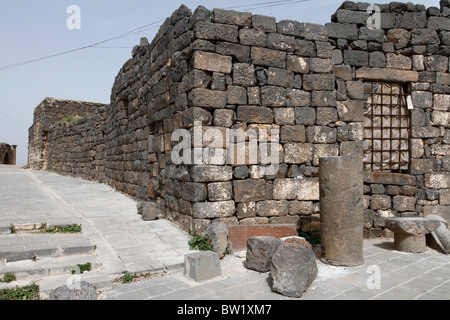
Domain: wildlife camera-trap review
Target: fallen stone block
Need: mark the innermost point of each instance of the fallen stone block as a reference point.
(148, 210)
(293, 268)
(201, 266)
(439, 239)
(259, 252)
(80, 291)
(218, 233)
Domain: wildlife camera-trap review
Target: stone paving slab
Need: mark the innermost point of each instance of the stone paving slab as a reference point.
(124, 242)
(29, 269)
(16, 247)
(386, 275)
(100, 280)
(5, 229)
(109, 219)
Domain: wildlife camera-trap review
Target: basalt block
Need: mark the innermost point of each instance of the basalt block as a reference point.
(259, 252)
(293, 268)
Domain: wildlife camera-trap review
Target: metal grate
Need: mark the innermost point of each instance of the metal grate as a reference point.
(386, 128)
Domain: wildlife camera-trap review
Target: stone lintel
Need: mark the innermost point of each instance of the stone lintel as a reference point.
(389, 178)
(384, 74)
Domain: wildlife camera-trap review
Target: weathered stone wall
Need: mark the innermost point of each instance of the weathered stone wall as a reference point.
(78, 148)
(228, 70)
(239, 71)
(47, 115)
(411, 47)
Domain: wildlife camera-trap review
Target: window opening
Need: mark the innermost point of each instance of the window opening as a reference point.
(386, 128)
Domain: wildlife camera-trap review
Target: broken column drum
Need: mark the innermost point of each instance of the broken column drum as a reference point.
(409, 232)
(341, 207)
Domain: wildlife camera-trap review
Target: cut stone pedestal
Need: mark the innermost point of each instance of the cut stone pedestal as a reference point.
(341, 210)
(202, 266)
(409, 233)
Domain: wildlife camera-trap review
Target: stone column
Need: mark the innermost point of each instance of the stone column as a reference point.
(341, 210)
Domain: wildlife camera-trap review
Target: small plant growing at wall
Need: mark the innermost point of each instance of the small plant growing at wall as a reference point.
(8, 277)
(199, 242)
(70, 119)
(312, 237)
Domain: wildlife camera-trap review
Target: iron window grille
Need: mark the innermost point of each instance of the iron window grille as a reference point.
(386, 128)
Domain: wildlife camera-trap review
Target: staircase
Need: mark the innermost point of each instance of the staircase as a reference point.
(48, 260)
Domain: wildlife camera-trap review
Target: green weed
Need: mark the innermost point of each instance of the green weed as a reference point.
(74, 228)
(80, 268)
(128, 277)
(312, 237)
(199, 242)
(30, 292)
(8, 277)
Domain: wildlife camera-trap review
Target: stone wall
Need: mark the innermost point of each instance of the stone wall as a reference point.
(47, 116)
(78, 148)
(411, 47)
(220, 73)
(228, 70)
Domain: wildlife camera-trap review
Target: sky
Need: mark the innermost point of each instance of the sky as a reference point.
(31, 29)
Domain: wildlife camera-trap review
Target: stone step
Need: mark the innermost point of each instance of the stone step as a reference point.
(5, 229)
(100, 280)
(16, 247)
(33, 225)
(49, 266)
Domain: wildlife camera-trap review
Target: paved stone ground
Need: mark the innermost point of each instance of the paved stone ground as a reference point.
(386, 275)
(109, 219)
(125, 242)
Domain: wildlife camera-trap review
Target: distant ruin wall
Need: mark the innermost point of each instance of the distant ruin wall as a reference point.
(312, 83)
(48, 116)
(7, 154)
(78, 149)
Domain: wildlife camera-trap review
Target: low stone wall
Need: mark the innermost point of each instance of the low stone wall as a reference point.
(301, 88)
